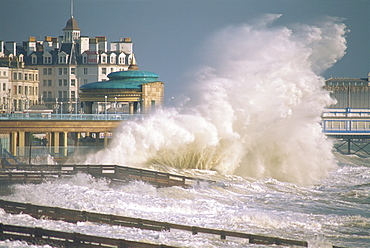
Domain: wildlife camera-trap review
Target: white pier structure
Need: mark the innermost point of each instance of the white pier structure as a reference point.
(351, 127)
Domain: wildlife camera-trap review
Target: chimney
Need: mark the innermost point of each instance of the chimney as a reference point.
(11, 46)
(102, 43)
(1, 48)
(93, 44)
(55, 42)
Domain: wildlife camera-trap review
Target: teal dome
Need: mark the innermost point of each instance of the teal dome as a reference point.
(123, 80)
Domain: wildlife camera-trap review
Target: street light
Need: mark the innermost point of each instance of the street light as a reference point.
(76, 104)
(56, 105)
(115, 106)
(105, 106)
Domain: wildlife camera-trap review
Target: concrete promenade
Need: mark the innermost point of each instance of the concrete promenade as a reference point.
(16, 129)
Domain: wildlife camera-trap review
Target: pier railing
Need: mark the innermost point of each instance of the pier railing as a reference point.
(37, 235)
(38, 173)
(74, 216)
(70, 117)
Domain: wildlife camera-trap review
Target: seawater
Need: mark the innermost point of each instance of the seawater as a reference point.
(250, 121)
(333, 211)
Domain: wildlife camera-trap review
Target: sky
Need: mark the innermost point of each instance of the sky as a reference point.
(168, 35)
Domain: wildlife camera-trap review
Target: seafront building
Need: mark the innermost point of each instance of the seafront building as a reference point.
(350, 92)
(64, 64)
(19, 86)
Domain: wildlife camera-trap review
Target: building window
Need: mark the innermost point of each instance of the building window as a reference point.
(15, 76)
(34, 60)
(85, 71)
(60, 82)
(85, 81)
(60, 71)
(73, 94)
(44, 83)
(50, 71)
(104, 71)
(64, 82)
(121, 60)
(25, 76)
(60, 95)
(47, 60)
(49, 82)
(73, 71)
(19, 89)
(20, 76)
(112, 59)
(73, 82)
(4, 86)
(84, 59)
(65, 71)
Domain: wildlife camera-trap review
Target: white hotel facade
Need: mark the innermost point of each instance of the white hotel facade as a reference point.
(68, 62)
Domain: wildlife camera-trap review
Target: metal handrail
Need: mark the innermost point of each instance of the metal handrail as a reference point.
(70, 117)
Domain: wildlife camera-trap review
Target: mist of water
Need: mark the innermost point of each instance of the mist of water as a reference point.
(255, 109)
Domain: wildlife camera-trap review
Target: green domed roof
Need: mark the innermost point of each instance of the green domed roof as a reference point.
(123, 80)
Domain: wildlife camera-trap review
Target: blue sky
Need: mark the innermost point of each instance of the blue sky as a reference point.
(168, 34)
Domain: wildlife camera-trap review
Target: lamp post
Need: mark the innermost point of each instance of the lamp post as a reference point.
(106, 97)
(115, 106)
(76, 105)
(56, 105)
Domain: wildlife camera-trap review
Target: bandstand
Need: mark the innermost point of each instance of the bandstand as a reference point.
(131, 91)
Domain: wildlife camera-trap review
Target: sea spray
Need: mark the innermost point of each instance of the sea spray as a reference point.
(255, 111)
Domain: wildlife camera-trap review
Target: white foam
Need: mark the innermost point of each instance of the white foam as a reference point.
(256, 110)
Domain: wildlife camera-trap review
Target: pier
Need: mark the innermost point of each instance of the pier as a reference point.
(350, 128)
(70, 133)
(60, 130)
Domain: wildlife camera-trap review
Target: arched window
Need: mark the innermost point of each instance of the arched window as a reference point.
(103, 58)
(122, 59)
(113, 58)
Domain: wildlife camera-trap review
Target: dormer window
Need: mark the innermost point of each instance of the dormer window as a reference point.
(62, 58)
(47, 58)
(33, 59)
(121, 59)
(84, 59)
(104, 58)
(113, 58)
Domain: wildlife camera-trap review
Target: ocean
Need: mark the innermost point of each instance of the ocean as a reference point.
(334, 211)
